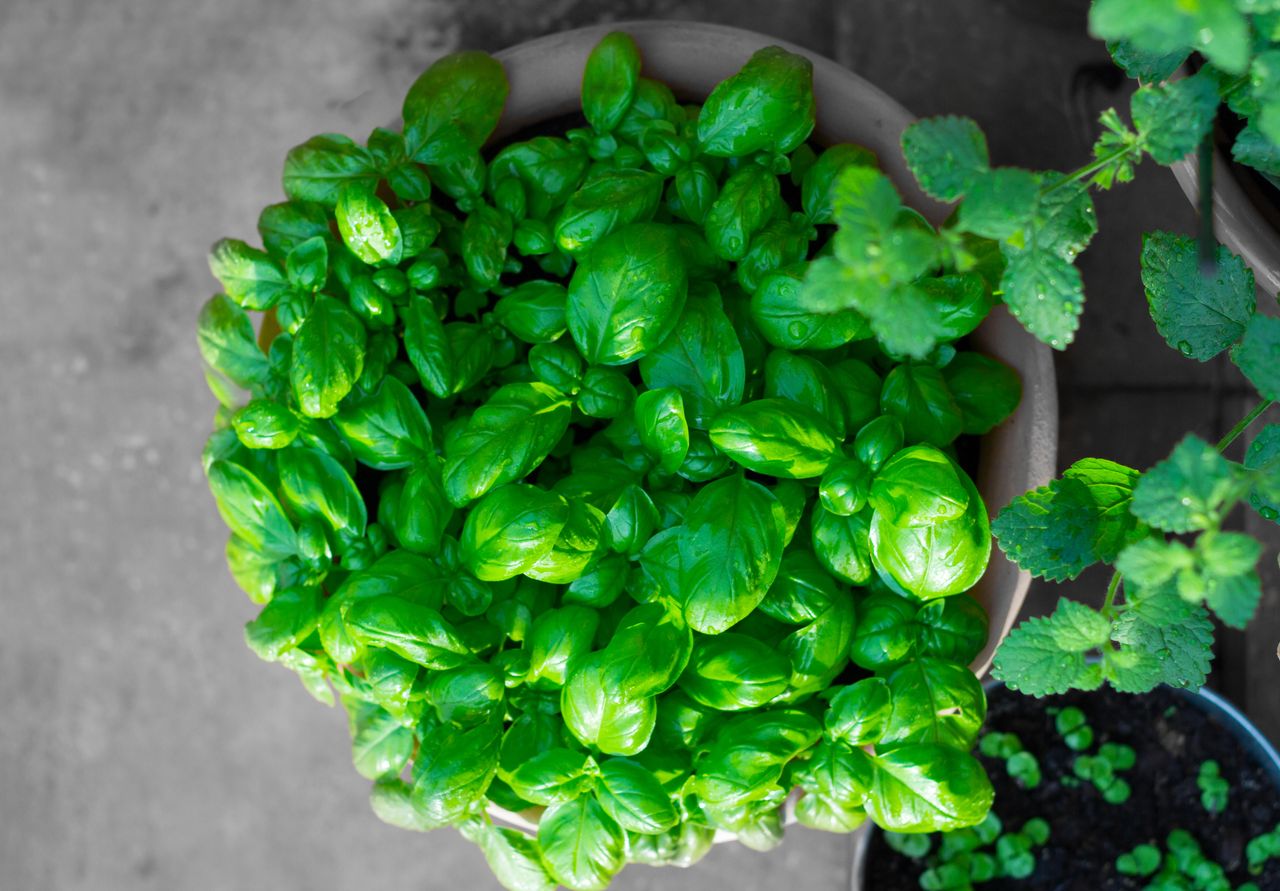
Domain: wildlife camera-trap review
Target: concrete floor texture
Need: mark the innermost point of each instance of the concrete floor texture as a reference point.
(141, 744)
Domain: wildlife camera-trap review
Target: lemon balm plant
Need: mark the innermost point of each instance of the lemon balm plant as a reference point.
(552, 479)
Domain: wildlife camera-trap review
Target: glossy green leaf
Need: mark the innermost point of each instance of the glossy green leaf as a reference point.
(633, 797)
(626, 295)
(730, 548)
(509, 529)
(663, 429)
(319, 168)
(249, 276)
(609, 80)
(582, 845)
(328, 357)
(506, 438)
(410, 630)
(732, 672)
(767, 105)
(777, 437)
(453, 107)
(251, 511)
(928, 788)
(227, 343)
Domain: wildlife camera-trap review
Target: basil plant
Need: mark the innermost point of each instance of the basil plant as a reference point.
(547, 474)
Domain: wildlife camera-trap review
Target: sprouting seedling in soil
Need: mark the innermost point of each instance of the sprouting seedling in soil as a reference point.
(1261, 849)
(1141, 861)
(1101, 770)
(1214, 788)
(1074, 729)
(1021, 765)
(968, 857)
(910, 845)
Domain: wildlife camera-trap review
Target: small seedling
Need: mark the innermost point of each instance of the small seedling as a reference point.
(1101, 770)
(910, 845)
(1141, 861)
(1261, 849)
(1214, 788)
(1022, 766)
(1075, 730)
(1025, 769)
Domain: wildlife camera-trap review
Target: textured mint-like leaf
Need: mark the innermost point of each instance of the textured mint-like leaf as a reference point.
(1044, 292)
(1263, 457)
(1172, 118)
(1215, 27)
(1255, 150)
(1163, 640)
(1258, 355)
(1145, 66)
(1185, 491)
(999, 202)
(945, 154)
(1197, 316)
(1046, 655)
(1057, 531)
(1153, 561)
(904, 318)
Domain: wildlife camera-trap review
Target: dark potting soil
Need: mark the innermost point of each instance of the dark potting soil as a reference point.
(1171, 738)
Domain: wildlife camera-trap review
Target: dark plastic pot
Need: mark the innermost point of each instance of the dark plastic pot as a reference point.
(1205, 701)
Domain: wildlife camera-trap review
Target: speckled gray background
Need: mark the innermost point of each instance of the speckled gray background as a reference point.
(141, 744)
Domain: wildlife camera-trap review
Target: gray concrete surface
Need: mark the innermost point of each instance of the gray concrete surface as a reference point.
(141, 745)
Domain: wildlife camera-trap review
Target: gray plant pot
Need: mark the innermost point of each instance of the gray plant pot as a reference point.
(1204, 700)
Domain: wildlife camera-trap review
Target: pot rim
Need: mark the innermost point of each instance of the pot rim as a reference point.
(1248, 736)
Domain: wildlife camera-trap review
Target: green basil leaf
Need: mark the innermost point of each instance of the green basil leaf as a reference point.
(777, 437)
(399, 574)
(288, 224)
(553, 777)
(453, 107)
(467, 695)
(609, 80)
(928, 788)
(367, 226)
(582, 845)
(749, 199)
(319, 168)
(933, 701)
(626, 295)
(285, 622)
(315, 484)
(631, 521)
(388, 429)
(730, 549)
(227, 343)
(648, 651)
(513, 857)
(663, 428)
(605, 393)
(732, 672)
(380, 745)
(986, 391)
(328, 357)
(505, 439)
(842, 544)
(747, 756)
(600, 714)
(917, 395)
(604, 205)
(941, 558)
(410, 630)
(534, 311)
(510, 529)
(803, 380)
(886, 634)
(768, 105)
(263, 424)
(249, 276)
(251, 511)
(785, 322)
(859, 714)
(702, 358)
(918, 486)
(453, 770)
(559, 640)
(423, 510)
(633, 797)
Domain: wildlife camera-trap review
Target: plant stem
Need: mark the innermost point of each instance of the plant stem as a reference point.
(1087, 170)
(1243, 424)
(1208, 242)
(1112, 588)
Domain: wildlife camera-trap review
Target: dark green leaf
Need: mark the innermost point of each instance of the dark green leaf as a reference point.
(453, 107)
(249, 276)
(1258, 355)
(319, 168)
(767, 105)
(946, 154)
(609, 80)
(328, 357)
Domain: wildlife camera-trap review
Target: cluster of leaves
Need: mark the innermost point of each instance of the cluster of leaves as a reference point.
(1153, 627)
(1215, 791)
(1023, 766)
(1182, 867)
(1102, 770)
(549, 475)
(964, 858)
(1073, 727)
(1239, 45)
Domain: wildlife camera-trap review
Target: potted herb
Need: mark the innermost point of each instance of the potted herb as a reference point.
(590, 523)
(1165, 790)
